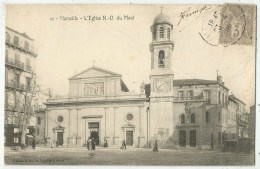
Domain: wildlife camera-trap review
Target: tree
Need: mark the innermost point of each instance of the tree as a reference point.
(25, 105)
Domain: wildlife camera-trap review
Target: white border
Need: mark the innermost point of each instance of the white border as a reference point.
(2, 44)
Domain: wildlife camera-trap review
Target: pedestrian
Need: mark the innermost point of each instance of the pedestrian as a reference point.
(33, 143)
(52, 144)
(105, 143)
(93, 144)
(123, 145)
(155, 148)
(88, 143)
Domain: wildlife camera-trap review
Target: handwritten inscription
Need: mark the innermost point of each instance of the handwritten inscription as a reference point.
(188, 13)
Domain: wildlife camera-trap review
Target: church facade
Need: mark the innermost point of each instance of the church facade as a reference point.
(194, 113)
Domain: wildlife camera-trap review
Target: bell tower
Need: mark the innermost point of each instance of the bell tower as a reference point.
(161, 113)
(161, 56)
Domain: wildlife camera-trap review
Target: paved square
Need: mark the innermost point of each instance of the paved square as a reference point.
(81, 156)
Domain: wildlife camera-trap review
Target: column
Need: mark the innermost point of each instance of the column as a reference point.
(70, 138)
(141, 138)
(115, 137)
(78, 138)
(47, 136)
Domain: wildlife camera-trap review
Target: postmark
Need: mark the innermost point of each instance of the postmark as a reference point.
(229, 24)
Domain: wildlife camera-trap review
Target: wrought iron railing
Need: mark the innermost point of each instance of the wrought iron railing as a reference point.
(25, 48)
(14, 85)
(14, 62)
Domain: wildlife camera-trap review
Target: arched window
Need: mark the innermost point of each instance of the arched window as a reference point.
(192, 120)
(182, 119)
(161, 59)
(161, 32)
(168, 33)
(154, 33)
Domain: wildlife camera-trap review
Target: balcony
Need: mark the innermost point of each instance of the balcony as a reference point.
(199, 97)
(15, 86)
(23, 49)
(15, 63)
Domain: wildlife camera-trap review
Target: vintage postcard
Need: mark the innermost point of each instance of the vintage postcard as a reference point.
(145, 85)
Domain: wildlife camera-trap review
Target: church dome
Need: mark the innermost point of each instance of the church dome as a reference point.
(161, 18)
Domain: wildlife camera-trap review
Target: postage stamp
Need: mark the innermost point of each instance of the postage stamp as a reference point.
(230, 24)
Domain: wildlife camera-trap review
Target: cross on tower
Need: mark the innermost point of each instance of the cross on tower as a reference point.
(161, 8)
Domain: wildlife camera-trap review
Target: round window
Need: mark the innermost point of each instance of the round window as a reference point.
(129, 117)
(60, 119)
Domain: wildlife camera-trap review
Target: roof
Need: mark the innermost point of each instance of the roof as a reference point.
(95, 72)
(161, 18)
(236, 99)
(185, 82)
(22, 34)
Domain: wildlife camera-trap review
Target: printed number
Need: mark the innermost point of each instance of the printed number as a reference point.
(211, 22)
(236, 31)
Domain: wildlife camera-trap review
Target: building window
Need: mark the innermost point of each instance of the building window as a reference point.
(38, 131)
(28, 64)
(129, 117)
(219, 98)
(223, 99)
(17, 79)
(180, 95)
(207, 96)
(38, 120)
(17, 58)
(190, 95)
(60, 119)
(28, 83)
(219, 116)
(11, 100)
(192, 118)
(154, 33)
(219, 138)
(26, 45)
(182, 119)
(16, 41)
(161, 59)
(168, 33)
(7, 37)
(207, 117)
(161, 32)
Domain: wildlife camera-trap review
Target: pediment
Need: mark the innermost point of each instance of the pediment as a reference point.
(95, 72)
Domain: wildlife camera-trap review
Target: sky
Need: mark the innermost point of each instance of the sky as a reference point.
(66, 47)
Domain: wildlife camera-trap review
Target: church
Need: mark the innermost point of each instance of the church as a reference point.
(179, 113)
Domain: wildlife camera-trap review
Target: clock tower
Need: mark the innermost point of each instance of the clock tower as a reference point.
(161, 56)
(161, 113)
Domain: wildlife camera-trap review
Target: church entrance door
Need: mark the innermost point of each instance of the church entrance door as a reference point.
(129, 138)
(59, 138)
(94, 131)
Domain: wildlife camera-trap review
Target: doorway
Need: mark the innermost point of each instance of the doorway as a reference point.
(182, 138)
(129, 138)
(193, 138)
(59, 138)
(93, 128)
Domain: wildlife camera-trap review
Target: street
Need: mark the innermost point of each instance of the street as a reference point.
(81, 156)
